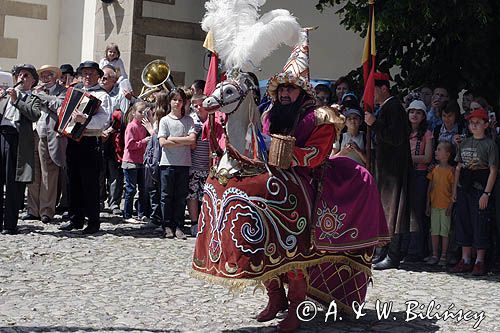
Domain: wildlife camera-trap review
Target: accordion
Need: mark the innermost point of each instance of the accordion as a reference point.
(76, 100)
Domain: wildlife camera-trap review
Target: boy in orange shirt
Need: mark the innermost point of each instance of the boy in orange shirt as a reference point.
(439, 200)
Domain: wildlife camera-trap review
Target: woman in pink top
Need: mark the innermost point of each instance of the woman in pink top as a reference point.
(136, 140)
(421, 154)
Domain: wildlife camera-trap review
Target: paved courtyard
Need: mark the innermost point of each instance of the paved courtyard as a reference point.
(127, 279)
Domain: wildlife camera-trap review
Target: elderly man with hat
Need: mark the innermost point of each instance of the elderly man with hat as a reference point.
(67, 75)
(18, 112)
(83, 157)
(50, 148)
(111, 178)
(393, 179)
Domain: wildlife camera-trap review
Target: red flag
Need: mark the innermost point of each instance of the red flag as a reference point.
(211, 80)
(368, 61)
(210, 84)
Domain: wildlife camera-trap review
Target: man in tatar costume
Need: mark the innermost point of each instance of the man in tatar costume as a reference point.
(312, 224)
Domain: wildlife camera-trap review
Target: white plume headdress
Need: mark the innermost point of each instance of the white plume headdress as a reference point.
(242, 38)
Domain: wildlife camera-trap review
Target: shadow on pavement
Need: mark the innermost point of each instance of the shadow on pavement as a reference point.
(37, 329)
(119, 232)
(423, 267)
(26, 229)
(368, 323)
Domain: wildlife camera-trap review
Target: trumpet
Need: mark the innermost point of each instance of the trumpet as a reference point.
(4, 94)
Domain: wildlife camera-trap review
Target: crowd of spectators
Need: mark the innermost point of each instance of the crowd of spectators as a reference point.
(156, 148)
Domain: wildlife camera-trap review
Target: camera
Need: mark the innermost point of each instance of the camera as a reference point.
(412, 96)
(492, 116)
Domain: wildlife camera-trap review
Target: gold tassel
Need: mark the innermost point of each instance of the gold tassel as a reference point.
(240, 284)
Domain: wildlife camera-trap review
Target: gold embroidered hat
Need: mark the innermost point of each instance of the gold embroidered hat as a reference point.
(296, 69)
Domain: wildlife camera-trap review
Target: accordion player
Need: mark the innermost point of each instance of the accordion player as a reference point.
(76, 100)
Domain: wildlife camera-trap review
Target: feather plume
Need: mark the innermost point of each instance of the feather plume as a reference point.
(242, 37)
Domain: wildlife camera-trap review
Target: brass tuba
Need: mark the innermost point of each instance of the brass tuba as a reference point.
(155, 76)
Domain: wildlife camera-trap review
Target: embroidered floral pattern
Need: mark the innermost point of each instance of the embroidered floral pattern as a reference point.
(330, 224)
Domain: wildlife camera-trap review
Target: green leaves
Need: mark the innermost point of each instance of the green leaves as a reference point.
(450, 42)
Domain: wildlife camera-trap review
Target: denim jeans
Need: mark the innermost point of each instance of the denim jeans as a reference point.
(115, 183)
(134, 178)
(154, 193)
(174, 189)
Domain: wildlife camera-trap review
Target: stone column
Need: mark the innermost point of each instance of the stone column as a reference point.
(124, 24)
(114, 24)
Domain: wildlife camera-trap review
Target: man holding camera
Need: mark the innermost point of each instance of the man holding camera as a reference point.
(438, 102)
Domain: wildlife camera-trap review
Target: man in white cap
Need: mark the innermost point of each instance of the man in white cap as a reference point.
(50, 147)
(17, 113)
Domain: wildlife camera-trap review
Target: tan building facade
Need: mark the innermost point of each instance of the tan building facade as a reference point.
(70, 31)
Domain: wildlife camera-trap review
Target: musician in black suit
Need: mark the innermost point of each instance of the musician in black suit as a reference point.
(18, 111)
(83, 157)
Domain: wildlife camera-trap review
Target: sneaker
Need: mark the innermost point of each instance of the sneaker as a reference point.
(442, 261)
(117, 211)
(179, 234)
(145, 219)
(479, 269)
(461, 267)
(130, 220)
(433, 260)
(168, 233)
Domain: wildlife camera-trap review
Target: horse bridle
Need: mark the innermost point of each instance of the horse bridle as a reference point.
(241, 98)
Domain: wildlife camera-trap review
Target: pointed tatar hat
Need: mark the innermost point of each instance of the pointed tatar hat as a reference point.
(296, 69)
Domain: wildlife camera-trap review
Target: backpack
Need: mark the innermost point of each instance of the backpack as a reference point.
(152, 157)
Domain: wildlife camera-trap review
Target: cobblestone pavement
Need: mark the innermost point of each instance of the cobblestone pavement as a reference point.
(127, 279)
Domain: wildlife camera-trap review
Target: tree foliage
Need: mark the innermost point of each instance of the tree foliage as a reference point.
(451, 42)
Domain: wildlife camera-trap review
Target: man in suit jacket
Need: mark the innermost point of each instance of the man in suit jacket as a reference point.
(42, 194)
(394, 168)
(18, 112)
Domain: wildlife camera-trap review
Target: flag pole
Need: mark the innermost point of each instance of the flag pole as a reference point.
(368, 61)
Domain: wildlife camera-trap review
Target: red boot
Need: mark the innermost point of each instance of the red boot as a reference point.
(277, 301)
(297, 287)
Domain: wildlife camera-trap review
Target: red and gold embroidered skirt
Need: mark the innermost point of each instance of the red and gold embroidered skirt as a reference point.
(256, 228)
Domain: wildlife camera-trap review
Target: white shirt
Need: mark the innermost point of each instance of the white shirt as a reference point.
(11, 114)
(101, 119)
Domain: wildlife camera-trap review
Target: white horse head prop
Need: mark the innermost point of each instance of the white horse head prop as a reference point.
(237, 98)
(229, 95)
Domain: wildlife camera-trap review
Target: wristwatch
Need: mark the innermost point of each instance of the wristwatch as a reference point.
(487, 193)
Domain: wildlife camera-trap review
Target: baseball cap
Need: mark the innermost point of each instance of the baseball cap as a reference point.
(417, 105)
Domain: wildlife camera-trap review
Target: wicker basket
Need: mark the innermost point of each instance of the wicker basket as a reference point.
(281, 150)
